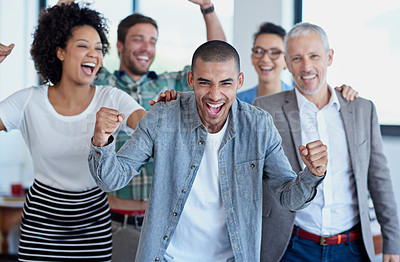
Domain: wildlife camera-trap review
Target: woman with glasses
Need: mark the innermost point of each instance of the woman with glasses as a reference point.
(268, 60)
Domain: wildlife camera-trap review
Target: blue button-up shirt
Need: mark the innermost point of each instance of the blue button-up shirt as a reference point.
(174, 135)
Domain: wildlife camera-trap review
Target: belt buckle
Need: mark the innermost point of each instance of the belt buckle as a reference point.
(322, 241)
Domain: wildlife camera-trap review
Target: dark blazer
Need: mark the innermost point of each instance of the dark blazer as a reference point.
(368, 162)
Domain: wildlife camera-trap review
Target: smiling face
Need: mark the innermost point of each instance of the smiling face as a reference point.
(308, 61)
(215, 85)
(268, 70)
(139, 49)
(82, 56)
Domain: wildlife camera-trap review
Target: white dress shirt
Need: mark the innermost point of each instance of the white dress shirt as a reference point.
(334, 208)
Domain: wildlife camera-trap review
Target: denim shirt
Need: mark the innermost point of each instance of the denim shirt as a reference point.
(174, 135)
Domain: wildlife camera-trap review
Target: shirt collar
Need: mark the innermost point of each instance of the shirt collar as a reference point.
(333, 101)
(194, 115)
(121, 73)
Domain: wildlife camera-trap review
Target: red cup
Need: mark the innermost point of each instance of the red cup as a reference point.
(17, 190)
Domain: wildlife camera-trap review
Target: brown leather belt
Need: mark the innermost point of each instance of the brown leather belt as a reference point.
(328, 240)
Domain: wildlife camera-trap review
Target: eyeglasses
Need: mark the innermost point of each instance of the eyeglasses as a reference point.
(273, 53)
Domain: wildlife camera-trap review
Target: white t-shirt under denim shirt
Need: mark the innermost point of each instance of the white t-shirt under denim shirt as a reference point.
(59, 144)
(201, 234)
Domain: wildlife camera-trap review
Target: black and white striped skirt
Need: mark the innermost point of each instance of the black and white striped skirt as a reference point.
(59, 225)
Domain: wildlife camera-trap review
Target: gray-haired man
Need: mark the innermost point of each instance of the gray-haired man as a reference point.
(335, 226)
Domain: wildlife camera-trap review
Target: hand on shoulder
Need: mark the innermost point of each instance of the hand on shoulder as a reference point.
(348, 93)
(166, 96)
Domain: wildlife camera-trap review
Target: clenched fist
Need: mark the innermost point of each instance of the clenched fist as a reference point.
(315, 157)
(107, 122)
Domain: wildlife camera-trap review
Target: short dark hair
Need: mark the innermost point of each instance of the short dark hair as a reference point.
(269, 28)
(55, 29)
(132, 20)
(216, 51)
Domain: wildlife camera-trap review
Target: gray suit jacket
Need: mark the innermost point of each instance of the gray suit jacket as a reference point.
(369, 166)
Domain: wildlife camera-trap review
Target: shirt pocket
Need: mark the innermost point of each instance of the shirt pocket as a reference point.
(249, 179)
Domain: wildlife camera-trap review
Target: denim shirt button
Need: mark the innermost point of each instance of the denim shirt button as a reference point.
(175, 214)
(183, 190)
(165, 237)
(157, 259)
(252, 166)
(98, 153)
(200, 142)
(193, 167)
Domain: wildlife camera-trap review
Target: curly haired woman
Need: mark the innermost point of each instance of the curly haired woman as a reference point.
(65, 216)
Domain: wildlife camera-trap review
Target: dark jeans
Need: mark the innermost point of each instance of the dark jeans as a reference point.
(300, 249)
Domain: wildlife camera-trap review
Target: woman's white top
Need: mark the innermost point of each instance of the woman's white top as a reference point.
(59, 144)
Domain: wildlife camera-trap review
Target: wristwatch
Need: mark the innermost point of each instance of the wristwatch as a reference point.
(207, 10)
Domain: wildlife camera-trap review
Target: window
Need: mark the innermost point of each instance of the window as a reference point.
(17, 22)
(365, 38)
(182, 29)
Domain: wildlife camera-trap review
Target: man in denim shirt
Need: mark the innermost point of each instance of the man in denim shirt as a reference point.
(137, 44)
(212, 153)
